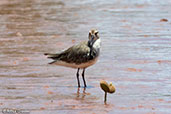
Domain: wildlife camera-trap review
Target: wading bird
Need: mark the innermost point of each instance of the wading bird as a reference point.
(79, 56)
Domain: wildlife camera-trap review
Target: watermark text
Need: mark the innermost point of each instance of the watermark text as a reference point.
(14, 111)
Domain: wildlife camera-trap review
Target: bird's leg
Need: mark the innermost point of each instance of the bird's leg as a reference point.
(78, 77)
(84, 78)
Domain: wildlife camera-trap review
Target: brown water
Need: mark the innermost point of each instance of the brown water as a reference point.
(135, 56)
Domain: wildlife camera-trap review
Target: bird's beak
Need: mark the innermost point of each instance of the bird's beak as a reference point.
(91, 41)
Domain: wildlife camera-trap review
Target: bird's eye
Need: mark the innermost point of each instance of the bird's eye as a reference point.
(96, 33)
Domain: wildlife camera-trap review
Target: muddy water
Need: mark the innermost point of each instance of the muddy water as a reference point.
(135, 56)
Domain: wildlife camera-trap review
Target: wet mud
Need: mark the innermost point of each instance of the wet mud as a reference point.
(135, 56)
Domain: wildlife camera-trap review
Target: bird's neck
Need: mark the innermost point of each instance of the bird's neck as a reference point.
(95, 49)
(97, 44)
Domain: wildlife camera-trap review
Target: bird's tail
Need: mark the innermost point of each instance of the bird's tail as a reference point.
(52, 56)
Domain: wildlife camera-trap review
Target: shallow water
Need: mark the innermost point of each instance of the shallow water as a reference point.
(135, 56)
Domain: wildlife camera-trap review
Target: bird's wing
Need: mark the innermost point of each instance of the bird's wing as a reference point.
(76, 54)
(75, 50)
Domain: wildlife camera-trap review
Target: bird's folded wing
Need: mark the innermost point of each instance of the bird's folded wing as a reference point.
(76, 54)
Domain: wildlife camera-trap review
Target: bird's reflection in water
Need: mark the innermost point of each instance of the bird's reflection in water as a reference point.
(81, 95)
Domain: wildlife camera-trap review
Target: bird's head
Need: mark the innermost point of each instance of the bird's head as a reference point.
(93, 36)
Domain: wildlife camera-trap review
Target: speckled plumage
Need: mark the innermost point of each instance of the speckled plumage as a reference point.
(76, 54)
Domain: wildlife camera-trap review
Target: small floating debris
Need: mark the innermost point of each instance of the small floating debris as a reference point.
(19, 34)
(163, 20)
(107, 88)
